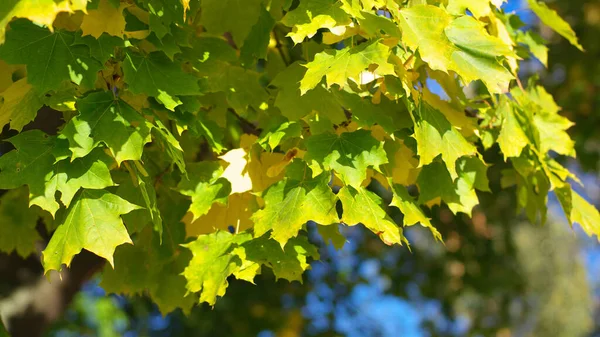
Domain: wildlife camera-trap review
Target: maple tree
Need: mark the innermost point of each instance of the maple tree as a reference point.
(200, 137)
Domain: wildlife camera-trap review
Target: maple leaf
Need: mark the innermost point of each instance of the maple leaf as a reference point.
(349, 154)
(337, 66)
(257, 42)
(93, 222)
(17, 232)
(157, 76)
(105, 19)
(288, 262)
(411, 210)
(32, 164)
(149, 266)
(435, 183)
(436, 136)
(234, 16)
(293, 202)
(313, 15)
(235, 215)
(550, 18)
(20, 106)
(479, 8)
(42, 12)
(363, 206)
(295, 106)
(108, 120)
(456, 44)
(212, 263)
(205, 186)
(50, 57)
(512, 138)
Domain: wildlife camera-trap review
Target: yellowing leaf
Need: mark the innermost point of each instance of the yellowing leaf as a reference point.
(461, 45)
(293, 202)
(403, 166)
(550, 18)
(20, 106)
(337, 66)
(435, 136)
(313, 15)
(105, 19)
(41, 12)
(479, 8)
(236, 172)
(234, 214)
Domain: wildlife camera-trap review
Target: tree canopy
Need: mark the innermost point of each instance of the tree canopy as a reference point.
(196, 139)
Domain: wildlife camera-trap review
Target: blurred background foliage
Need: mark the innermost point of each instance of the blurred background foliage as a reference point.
(496, 275)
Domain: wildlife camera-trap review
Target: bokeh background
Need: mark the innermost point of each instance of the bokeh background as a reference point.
(497, 274)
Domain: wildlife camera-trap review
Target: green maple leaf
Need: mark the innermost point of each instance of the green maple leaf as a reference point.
(337, 66)
(17, 232)
(332, 234)
(312, 15)
(144, 186)
(295, 106)
(469, 34)
(102, 48)
(91, 172)
(390, 115)
(293, 202)
(234, 16)
(536, 44)
(205, 187)
(435, 136)
(51, 58)
(32, 164)
(93, 222)
(363, 206)
(374, 24)
(41, 12)
(288, 262)
(241, 86)
(157, 76)
(550, 126)
(280, 132)
(20, 106)
(212, 263)
(349, 154)
(411, 210)
(149, 265)
(257, 42)
(105, 119)
(163, 13)
(434, 182)
(533, 185)
(550, 18)
(458, 44)
(170, 145)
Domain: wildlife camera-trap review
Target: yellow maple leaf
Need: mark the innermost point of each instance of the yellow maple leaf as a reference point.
(20, 105)
(236, 172)
(236, 214)
(105, 19)
(42, 12)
